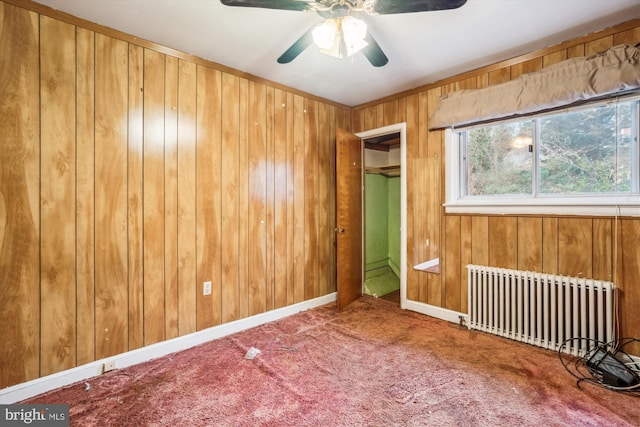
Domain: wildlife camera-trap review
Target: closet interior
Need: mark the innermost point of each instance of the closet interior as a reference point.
(382, 217)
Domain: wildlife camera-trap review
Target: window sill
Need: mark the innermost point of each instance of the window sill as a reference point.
(569, 206)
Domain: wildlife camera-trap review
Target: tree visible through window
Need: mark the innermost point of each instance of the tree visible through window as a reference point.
(582, 151)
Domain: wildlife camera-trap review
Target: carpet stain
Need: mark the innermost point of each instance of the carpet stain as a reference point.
(372, 364)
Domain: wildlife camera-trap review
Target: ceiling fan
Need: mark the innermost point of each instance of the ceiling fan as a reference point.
(342, 34)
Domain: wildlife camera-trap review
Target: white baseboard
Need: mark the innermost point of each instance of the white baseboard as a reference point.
(41, 385)
(433, 311)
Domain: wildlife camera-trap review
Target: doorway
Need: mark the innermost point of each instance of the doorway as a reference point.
(384, 212)
(381, 232)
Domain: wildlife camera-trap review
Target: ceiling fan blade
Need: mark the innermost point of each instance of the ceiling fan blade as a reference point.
(388, 7)
(297, 47)
(270, 4)
(373, 52)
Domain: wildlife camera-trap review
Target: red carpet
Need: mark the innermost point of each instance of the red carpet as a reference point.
(371, 365)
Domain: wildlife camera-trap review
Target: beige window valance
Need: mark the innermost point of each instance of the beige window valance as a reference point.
(577, 79)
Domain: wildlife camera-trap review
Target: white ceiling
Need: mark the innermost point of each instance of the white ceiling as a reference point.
(422, 47)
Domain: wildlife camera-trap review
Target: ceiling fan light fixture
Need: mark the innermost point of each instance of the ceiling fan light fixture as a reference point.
(339, 37)
(325, 34)
(354, 32)
(335, 50)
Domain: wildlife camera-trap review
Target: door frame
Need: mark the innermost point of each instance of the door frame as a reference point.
(400, 128)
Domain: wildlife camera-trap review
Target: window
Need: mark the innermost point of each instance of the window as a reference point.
(580, 160)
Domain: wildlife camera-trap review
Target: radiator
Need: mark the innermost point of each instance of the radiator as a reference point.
(542, 309)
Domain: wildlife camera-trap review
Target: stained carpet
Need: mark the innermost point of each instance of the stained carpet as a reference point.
(370, 365)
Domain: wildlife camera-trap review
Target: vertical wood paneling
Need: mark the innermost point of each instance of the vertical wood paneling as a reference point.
(412, 112)
(323, 203)
(419, 186)
(554, 58)
(628, 277)
(380, 115)
(154, 214)
(503, 242)
(187, 283)
(244, 237)
(500, 75)
(602, 249)
(434, 139)
(230, 196)
(257, 198)
(451, 266)
(298, 207)
(291, 270)
(269, 214)
(530, 243)
(370, 118)
(390, 112)
(433, 210)
(575, 51)
(575, 246)
(465, 259)
(171, 198)
(480, 240)
(435, 189)
(629, 37)
(111, 196)
(85, 167)
(311, 200)
(426, 139)
(550, 245)
(19, 204)
(135, 197)
(598, 46)
(358, 121)
(280, 198)
(402, 110)
(428, 286)
(208, 123)
(57, 195)
(482, 80)
(526, 67)
(334, 118)
(468, 83)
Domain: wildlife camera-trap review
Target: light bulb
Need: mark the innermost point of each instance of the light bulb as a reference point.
(354, 31)
(324, 35)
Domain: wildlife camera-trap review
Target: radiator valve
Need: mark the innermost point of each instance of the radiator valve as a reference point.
(463, 321)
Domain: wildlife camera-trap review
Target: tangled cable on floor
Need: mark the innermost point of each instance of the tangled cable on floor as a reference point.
(605, 365)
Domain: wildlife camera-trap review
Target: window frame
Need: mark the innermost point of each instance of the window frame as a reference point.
(627, 204)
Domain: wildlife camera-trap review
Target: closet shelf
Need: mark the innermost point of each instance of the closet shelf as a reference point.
(388, 171)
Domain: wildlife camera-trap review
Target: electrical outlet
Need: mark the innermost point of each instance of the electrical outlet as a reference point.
(206, 289)
(108, 366)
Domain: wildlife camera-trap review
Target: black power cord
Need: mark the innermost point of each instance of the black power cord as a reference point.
(605, 364)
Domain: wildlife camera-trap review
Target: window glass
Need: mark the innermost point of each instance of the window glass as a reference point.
(586, 151)
(590, 150)
(498, 159)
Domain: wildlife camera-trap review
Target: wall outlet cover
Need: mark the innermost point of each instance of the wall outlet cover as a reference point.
(108, 366)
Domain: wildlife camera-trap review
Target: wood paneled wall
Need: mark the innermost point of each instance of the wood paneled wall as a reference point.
(129, 176)
(602, 248)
